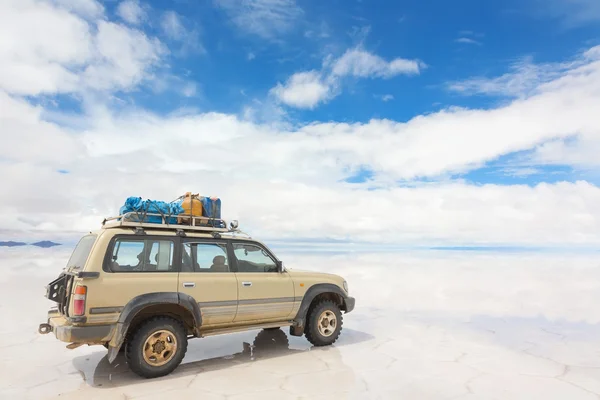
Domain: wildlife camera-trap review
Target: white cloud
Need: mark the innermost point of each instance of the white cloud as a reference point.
(360, 63)
(319, 32)
(156, 154)
(124, 57)
(521, 172)
(308, 89)
(85, 8)
(466, 40)
(167, 82)
(189, 89)
(67, 53)
(251, 56)
(387, 97)
(303, 90)
(582, 152)
(132, 12)
(524, 79)
(174, 28)
(27, 139)
(40, 61)
(112, 153)
(265, 18)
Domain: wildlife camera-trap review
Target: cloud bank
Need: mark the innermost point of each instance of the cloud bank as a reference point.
(67, 171)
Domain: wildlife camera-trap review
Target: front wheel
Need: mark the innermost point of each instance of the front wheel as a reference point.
(323, 323)
(157, 347)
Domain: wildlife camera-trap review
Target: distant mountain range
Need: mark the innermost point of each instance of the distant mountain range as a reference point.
(43, 243)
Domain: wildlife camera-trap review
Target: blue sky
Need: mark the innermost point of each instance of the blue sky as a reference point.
(434, 123)
(230, 66)
(219, 62)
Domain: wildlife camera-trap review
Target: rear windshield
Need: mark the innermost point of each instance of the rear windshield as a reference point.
(81, 252)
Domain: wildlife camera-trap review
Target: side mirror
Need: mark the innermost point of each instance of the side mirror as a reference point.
(279, 266)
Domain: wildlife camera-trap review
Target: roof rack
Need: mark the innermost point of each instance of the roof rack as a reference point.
(179, 222)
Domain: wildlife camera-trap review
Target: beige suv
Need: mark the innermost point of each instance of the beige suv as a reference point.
(146, 288)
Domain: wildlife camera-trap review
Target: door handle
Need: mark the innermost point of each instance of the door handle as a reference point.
(189, 284)
(246, 283)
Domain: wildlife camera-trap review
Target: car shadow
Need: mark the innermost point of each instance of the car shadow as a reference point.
(213, 353)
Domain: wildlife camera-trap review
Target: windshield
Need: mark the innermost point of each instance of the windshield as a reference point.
(81, 252)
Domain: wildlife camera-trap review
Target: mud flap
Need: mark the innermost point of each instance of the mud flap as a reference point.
(113, 352)
(297, 329)
(114, 346)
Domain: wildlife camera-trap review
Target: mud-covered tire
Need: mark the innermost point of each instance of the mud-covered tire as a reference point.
(135, 346)
(320, 336)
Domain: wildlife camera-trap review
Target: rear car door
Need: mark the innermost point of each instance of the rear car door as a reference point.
(207, 277)
(264, 293)
(134, 265)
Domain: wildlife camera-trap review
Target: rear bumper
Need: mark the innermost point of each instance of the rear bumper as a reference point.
(84, 334)
(66, 332)
(349, 303)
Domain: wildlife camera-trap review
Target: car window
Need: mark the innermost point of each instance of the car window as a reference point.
(204, 257)
(162, 254)
(253, 258)
(81, 252)
(142, 256)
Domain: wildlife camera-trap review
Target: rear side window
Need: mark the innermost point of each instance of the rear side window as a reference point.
(204, 257)
(81, 252)
(141, 255)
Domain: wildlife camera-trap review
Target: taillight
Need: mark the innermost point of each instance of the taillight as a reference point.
(79, 300)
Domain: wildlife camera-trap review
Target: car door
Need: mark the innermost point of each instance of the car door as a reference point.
(264, 293)
(134, 265)
(207, 277)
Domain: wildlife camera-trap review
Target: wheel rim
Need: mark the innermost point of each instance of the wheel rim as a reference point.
(160, 348)
(327, 323)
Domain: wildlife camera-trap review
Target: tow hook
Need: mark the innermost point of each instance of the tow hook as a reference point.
(45, 329)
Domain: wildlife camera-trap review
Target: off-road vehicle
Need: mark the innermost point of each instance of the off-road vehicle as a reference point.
(146, 288)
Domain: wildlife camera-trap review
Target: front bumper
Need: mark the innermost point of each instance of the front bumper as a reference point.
(349, 303)
(66, 332)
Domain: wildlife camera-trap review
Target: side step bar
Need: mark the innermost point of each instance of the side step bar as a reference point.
(234, 329)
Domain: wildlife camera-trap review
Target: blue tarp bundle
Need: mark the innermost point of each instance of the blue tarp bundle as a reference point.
(211, 207)
(136, 204)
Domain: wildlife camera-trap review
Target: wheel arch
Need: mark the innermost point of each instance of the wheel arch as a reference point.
(173, 304)
(316, 293)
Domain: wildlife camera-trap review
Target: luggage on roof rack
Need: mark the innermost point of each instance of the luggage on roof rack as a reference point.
(192, 206)
(151, 211)
(135, 220)
(211, 207)
(187, 212)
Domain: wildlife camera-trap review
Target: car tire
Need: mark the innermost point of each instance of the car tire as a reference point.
(156, 347)
(323, 323)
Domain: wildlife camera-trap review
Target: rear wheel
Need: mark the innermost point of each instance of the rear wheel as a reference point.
(323, 323)
(157, 347)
